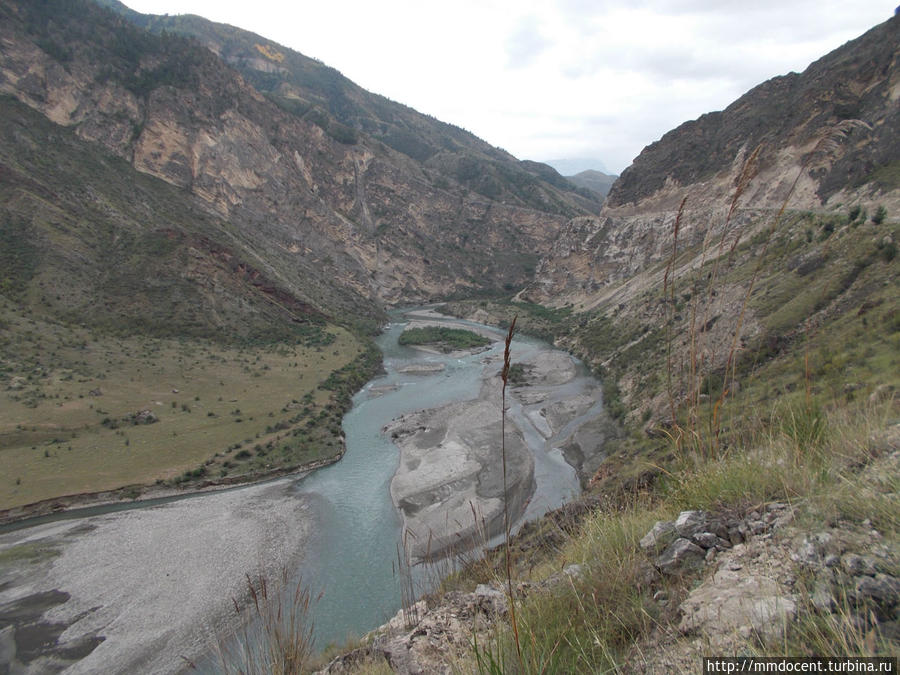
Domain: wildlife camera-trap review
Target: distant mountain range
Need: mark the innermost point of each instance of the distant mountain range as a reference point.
(572, 166)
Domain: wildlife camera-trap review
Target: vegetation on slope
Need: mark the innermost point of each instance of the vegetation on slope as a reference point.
(614, 615)
(119, 295)
(86, 411)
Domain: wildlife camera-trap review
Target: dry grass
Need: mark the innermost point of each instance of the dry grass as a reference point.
(276, 638)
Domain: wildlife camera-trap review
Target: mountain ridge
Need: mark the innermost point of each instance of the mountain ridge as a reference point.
(308, 86)
(382, 227)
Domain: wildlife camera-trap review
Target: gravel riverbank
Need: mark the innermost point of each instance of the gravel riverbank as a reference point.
(135, 591)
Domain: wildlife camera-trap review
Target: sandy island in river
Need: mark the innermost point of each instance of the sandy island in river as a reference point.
(449, 482)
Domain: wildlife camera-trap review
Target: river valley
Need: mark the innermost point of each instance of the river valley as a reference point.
(143, 587)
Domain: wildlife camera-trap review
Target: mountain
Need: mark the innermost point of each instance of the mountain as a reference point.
(596, 181)
(307, 202)
(823, 138)
(572, 166)
(735, 237)
(167, 190)
(308, 88)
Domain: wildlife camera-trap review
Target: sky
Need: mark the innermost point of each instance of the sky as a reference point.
(551, 79)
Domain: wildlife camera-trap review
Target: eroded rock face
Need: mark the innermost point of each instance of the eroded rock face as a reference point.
(346, 210)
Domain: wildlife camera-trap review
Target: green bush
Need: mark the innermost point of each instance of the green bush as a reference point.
(447, 339)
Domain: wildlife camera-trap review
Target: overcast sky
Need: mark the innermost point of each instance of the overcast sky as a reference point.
(548, 79)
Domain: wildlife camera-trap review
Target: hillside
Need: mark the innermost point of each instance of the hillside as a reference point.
(306, 191)
(638, 281)
(738, 296)
(312, 90)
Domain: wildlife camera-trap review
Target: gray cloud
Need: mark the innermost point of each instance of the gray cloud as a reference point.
(525, 43)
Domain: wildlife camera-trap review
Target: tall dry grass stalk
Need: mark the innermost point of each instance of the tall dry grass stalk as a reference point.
(691, 431)
(277, 636)
(506, 521)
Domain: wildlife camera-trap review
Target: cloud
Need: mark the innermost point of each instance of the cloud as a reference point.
(525, 43)
(551, 78)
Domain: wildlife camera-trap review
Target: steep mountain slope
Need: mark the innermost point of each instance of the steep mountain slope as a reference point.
(89, 240)
(310, 89)
(339, 222)
(823, 138)
(738, 294)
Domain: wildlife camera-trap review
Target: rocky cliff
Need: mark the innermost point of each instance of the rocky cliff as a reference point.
(311, 89)
(329, 215)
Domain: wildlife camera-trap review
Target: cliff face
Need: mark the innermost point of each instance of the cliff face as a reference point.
(820, 140)
(311, 89)
(334, 218)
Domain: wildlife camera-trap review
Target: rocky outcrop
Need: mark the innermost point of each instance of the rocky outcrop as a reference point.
(426, 640)
(309, 88)
(760, 574)
(849, 91)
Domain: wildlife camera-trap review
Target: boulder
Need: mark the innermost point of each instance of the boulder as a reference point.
(659, 536)
(752, 606)
(690, 523)
(710, 540)
(682, 555)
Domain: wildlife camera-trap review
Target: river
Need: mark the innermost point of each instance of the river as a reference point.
(106, 591)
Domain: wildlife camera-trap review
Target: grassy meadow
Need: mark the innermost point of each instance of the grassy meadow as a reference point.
(69, 419)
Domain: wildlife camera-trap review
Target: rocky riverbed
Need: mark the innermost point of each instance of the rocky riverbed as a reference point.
(137, 589)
